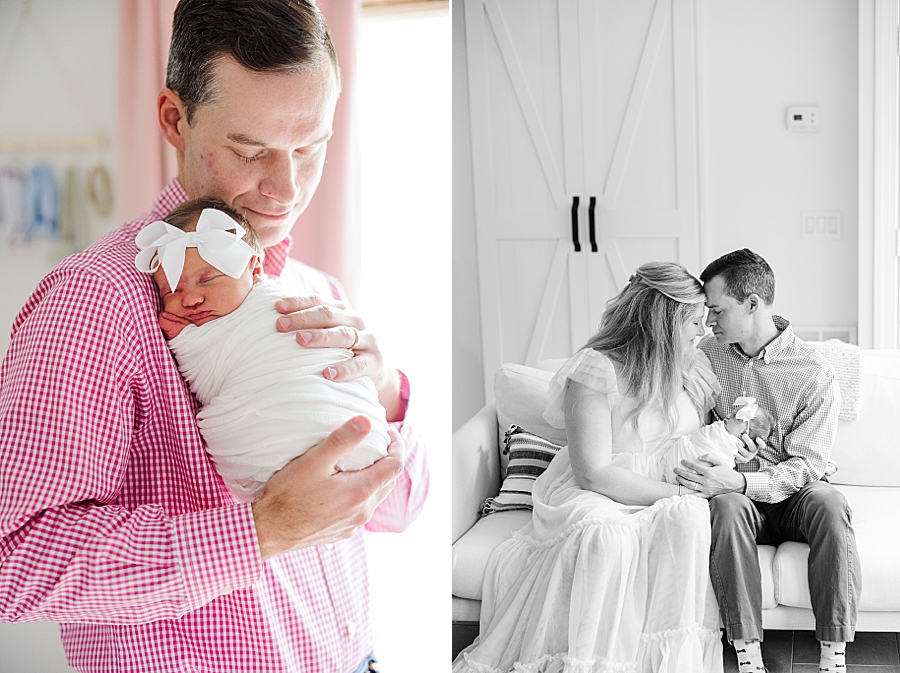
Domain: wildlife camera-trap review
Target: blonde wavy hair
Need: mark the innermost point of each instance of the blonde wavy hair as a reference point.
(641, 332)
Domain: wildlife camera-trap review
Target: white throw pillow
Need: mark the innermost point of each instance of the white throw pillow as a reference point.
(520, 394)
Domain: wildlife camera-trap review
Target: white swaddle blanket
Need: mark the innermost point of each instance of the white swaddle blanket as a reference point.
(713, 439)
(264, 398)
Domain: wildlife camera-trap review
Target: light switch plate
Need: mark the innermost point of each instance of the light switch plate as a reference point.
(820, 225)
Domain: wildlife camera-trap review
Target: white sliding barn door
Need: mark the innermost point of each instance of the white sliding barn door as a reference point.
(574, 99)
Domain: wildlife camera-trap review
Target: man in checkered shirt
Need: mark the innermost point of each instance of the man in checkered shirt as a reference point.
(113, 521)
(781, 492)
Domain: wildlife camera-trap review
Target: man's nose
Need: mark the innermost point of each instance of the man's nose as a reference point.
(280, 181)
(710, 320)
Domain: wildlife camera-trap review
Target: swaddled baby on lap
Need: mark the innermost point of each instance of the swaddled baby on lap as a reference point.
(720, 438)
(264, 398)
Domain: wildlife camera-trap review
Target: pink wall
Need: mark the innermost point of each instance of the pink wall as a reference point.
(146, 162)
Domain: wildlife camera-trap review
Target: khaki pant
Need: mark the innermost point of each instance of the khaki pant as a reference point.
(817, 514)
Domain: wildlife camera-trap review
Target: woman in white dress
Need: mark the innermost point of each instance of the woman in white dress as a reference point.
(613, 572)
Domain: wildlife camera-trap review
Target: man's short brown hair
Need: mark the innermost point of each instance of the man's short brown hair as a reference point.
(744, 273)
(261, 35)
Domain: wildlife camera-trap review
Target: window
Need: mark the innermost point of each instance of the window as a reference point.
(404, 294)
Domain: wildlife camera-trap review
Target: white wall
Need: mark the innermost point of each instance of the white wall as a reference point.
(67, 92)
(37, 100)
(757, 58)
(468, 392)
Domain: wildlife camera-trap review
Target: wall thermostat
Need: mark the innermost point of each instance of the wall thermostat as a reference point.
(803, 118)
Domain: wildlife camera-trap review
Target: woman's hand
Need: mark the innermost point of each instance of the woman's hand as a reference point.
(330, 323)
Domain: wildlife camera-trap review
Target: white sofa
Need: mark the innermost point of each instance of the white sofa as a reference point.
(867, 452)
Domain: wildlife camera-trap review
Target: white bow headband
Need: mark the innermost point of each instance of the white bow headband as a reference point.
(164, 245)
(748, 409)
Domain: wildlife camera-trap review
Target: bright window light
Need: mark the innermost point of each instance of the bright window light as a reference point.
(404, 295)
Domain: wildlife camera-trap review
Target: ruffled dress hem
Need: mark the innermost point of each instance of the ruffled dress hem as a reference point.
(657, 651)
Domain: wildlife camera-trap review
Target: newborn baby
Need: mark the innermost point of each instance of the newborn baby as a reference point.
(265, 400)
(720, 438)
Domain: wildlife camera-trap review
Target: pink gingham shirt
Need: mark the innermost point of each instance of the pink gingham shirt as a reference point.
(113, 521)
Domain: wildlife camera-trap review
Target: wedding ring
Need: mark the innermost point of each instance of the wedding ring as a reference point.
(356, 340)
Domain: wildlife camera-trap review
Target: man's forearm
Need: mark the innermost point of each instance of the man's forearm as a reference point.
(109, 565)
(775, 483)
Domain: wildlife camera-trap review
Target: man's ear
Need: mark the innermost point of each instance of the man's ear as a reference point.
(172, 116)
(753, 302)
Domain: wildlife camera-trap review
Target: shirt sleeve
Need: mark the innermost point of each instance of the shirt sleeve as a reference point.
(404, 503)
(807, 445)
(588, 367)
(69, 551)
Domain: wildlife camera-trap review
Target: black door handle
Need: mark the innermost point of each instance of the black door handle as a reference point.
(591, 230)
(575, 201)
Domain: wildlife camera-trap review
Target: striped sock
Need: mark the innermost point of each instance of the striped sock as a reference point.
(831, 657)
(749, 656)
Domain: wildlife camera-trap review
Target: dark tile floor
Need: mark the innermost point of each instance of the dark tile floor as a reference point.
(784, 651)
(798, 652)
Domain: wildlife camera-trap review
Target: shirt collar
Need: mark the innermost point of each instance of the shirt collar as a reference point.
(775, 347)
(173, 194)
(276, 257)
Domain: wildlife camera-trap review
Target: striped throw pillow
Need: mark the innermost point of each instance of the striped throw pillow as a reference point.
(529, 455)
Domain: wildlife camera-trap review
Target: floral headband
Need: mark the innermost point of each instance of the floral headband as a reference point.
(748, 409)
(164, 245)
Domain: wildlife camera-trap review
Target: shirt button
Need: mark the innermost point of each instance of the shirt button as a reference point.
(224, 591)
(351, 628)
(329, 546)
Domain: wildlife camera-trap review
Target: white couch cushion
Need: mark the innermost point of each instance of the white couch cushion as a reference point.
(471, 551)
(766, 556)
(866, 450)
(876, 511)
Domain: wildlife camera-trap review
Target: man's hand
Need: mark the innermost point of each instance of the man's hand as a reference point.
(308, 502)
(328, 323)
(709, 476)
(751, 447)
(172, 324)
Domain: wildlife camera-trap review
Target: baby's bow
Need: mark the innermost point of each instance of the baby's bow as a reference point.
(748, 409)
(163, 245)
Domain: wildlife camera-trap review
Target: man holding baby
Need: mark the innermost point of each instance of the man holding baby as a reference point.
(113, 521)
(782, 493)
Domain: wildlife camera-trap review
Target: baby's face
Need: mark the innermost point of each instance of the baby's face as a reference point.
(204, 293)
(736, 427)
